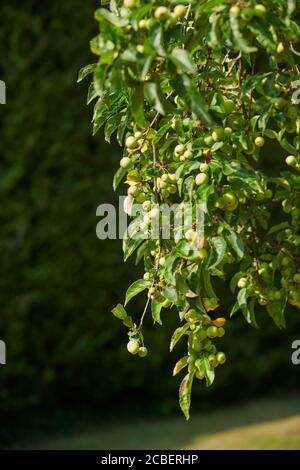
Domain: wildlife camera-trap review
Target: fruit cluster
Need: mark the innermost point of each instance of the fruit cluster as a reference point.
(197, 91)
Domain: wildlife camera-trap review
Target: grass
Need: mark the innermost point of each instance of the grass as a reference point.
(263, 424)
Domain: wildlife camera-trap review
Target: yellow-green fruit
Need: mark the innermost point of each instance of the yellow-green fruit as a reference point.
(221, 358)
(280, 48)
(161, 13)
(212, 360)
(259, 141)
(200, 375)
(166, 303)
(179, 11)
(218, 134)
(247, 14)
(142, 352)
(140, 48)
(130, 3)
(230, 201)
(212, 332)
(125, 162)
(228, 106)
(291, 160)
(179, 149)
(221, 332)
(235, 10)
(201, 178)
(242, 282)
(133, 346)
(203, 167)
(133, 191)
(260, 10)
(143, 24)
(130, 142)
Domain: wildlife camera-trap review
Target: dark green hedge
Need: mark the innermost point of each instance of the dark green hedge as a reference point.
(57, 281)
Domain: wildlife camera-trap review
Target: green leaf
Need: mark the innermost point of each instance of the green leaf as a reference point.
(178, 333)
(181, 364)
(188, 93)
(247, 311)
(182, 61)
(278, 227)
(185, 389)
(207, 283)
(219, 250)
(236, 243)
(209, 372)
(155, 311)
(137, 106)
(155, 96)
(276, 310)
(120, 312)
(130, 245)
(156, 38)
(241, 43)
(103, 14)
(263, 36)
(111, 126)
(85, 71)
(135, 289)
(119, 175)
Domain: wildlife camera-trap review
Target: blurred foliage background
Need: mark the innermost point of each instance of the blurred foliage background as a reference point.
(58, 282)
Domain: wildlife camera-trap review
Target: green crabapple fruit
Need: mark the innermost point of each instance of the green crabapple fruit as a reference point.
(161, 13)
(130, 142)
(133, 346)
(125, 162)
(291, 160)
(259, 9)
(230, 201)
(142, 351)
(242, 282)
(221, 358)
(259, 141)
(179, 11)
(179, 149)
(130, 3)
(201, 178)
(212, 360)
(228, 106)
(212, 332)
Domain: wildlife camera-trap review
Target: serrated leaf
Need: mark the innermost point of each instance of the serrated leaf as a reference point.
(136, 288)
